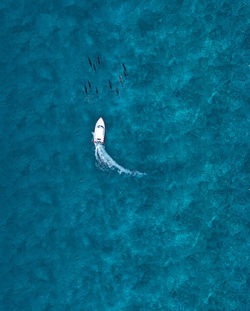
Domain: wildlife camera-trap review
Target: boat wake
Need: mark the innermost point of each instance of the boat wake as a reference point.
(105, 162)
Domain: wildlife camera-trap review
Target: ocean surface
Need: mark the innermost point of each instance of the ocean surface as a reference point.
(77, 233)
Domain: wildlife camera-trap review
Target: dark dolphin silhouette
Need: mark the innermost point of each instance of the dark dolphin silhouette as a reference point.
(120, 78)
(90, 62)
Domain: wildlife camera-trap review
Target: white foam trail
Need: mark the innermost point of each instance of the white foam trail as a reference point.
(105, 161)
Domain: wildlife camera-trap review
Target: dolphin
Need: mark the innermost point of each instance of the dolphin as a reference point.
(120, 78)
(90, 62)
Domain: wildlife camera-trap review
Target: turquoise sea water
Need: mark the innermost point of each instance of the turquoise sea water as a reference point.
(75, 237)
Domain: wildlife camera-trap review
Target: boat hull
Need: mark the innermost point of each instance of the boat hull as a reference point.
(99, 133)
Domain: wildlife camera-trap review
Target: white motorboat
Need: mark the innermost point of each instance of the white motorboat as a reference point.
(99, 133)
